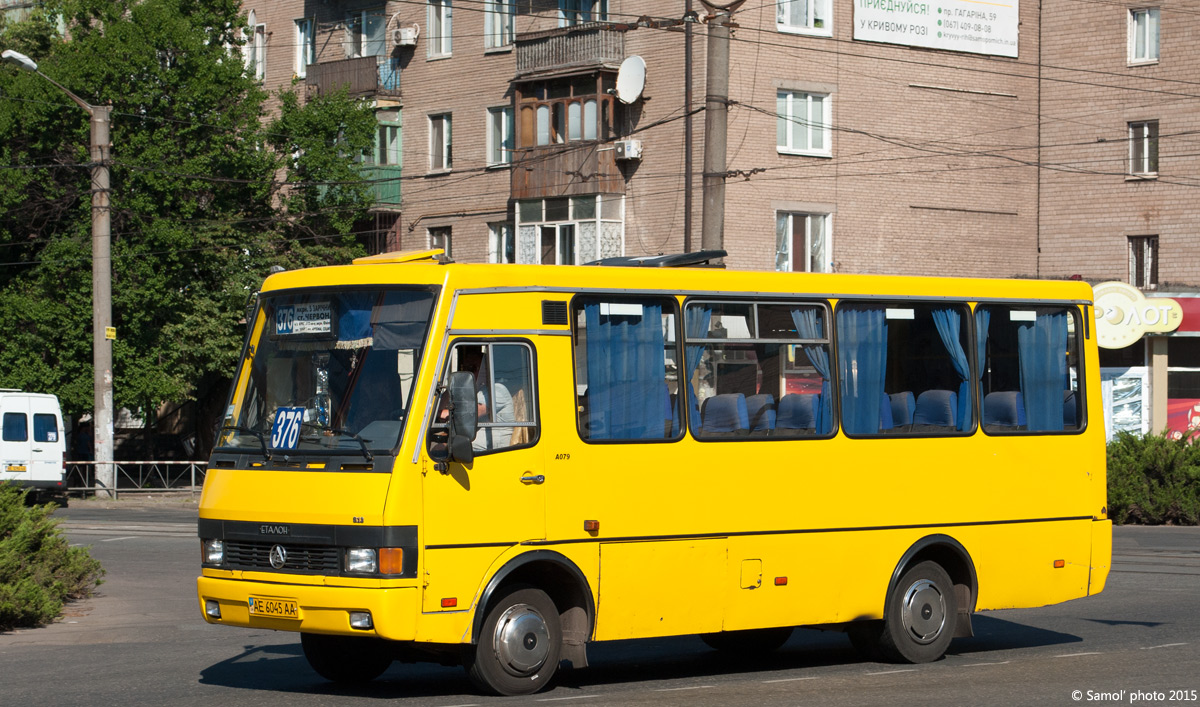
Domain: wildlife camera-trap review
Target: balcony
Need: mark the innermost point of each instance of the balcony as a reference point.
(361, 76)
(595, 45)
(385, 184)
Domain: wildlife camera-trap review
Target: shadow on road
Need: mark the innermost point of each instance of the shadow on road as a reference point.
(282, 668)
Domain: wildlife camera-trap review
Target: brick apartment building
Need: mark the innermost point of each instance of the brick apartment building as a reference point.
(890, 136)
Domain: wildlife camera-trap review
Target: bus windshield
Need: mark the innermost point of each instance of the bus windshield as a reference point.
(330, 371)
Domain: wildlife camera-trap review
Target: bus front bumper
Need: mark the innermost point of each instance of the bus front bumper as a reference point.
(315, 609)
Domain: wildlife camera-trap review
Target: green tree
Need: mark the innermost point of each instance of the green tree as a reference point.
(207, 194)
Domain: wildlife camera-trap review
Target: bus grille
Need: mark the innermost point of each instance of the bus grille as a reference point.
(300, 558)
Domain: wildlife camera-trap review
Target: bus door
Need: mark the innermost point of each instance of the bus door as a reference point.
(474, 512)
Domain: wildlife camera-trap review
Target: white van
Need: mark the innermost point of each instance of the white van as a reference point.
(32, 442)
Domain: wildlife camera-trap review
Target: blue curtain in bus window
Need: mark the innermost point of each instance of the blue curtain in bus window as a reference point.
(983, 319)
(949, 327)
(625, 362)
(1042, 352)
(808, 326)
(354, 320)
(862, 363)
(696, 323)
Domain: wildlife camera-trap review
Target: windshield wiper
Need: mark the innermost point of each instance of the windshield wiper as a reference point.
(262, 439)
(361, 442)
(339, 431)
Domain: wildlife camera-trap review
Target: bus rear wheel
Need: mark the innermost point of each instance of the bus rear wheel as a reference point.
(759, 641)
(346, 659)
(520, 644)
(921, 613)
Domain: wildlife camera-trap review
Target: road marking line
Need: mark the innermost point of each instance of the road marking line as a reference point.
(677, 689)
(1074, 655)
(972, 665)
(768, 682)
(893, 672)
(573, 697)
(1165, 645)
(127, 537)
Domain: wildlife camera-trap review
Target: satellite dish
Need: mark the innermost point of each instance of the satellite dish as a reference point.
(631, 79)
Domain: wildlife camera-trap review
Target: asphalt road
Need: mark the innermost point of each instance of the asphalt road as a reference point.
(141, 641)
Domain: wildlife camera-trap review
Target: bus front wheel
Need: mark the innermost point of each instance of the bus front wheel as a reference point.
(921, 612)
(346, 659)
(520, 644)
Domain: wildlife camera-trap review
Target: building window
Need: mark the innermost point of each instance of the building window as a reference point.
(387, 144)
(441, 150)
(569, 230)
(439, 28)
(1143, 262)
(365, 33)
(500, 135)
(498, 23)
(577, 12)
(801, 242)
(1143, 35)
(256, 47)
(804, 16)
(802, 126)
(502, 243)
(305, 47)
(1143, 147)
(439, 237)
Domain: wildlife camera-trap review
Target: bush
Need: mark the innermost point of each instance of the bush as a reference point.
(1154, 480)
(39, 571)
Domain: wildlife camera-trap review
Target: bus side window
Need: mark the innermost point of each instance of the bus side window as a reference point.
(905, 368)
(1030, 368)
(626, 367)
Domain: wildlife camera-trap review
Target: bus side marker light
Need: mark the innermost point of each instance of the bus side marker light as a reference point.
(1059, 564)
(449, 602)
(781, 581)
(591, 526)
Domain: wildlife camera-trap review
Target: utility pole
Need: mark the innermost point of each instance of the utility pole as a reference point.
(102, 382)
(716, 111)
(689, 17)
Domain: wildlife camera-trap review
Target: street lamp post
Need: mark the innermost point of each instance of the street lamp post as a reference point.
(102, 418)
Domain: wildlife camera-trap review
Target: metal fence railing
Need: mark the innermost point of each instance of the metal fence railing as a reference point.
(139, 476)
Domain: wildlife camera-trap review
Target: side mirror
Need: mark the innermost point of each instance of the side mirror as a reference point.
(464, 416)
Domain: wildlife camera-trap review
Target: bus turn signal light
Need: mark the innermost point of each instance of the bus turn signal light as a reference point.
(1059, 564)
(591, 526)
(391, 560)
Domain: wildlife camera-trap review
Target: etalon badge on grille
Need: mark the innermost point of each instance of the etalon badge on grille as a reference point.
(278, 556)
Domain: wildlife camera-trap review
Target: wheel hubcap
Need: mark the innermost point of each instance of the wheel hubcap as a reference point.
(521, 639)
(924, 611)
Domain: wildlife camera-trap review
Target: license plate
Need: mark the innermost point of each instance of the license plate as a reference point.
(16, 468)
(274, 607)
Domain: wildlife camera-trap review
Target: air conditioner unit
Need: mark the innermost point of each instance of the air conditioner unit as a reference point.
(628, 149)
(404, 36)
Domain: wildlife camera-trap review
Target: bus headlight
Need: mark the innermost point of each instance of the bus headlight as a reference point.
(213, 552)
(362, 559)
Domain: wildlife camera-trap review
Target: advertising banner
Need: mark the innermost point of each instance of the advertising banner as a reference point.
(955, 25)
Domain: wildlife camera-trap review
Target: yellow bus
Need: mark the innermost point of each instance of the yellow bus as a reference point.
(499, 464)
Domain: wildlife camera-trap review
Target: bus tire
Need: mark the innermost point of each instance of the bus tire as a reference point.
(346, 660)
(757, 642)
(920, 617)
(520, 644)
